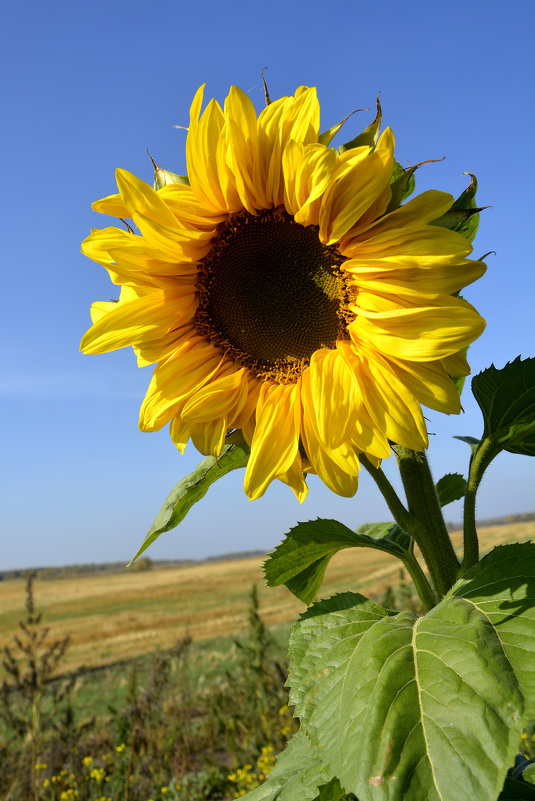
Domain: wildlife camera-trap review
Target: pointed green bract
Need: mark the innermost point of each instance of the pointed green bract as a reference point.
(369, 135)
(164, 177)
(427, 708)
(192, 488)
(463, 216)
(402, 185)
(451, 487)
(301, 559)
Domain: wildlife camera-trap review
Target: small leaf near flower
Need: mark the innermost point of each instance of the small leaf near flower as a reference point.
(301, 559)
(451, 487)
(506, 398)
(192, 488)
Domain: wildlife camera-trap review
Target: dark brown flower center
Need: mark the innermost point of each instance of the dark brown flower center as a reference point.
(271, 293)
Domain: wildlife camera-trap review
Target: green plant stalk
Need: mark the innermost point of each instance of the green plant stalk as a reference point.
(423, 588)
(409, 524)
(430, 534)
(478, 464)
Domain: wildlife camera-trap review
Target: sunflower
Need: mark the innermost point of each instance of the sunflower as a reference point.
(278, 293)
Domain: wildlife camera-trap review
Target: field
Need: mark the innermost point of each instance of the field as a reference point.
(120, 616)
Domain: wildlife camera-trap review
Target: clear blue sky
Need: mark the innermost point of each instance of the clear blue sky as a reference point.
(87, 87)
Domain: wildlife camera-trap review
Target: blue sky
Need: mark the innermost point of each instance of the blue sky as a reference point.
(87, 88)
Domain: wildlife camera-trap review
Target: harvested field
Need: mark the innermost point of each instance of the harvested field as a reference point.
(119, 616)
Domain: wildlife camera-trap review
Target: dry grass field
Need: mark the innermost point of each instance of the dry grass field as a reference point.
(123, 615)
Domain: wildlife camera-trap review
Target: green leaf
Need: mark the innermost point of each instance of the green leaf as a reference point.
(515, 790)
(463, 216)
(422, 708)
(451, 487)
(192, 488)
(368, 136)
(528, 775)
(506, 398)
(332, 792)
(298, 774)
(301, 559)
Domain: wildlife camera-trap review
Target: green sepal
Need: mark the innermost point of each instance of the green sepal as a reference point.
(463, 216)
(369, 135)
(460, 380)
(301, 559)
(326, 137)
(192, 488)
(450, 487)
(164, 177)
(402, 185)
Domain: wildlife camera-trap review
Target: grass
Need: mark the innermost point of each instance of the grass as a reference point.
(121, 616)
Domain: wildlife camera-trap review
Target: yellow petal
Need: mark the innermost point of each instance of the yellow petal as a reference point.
(209, 437)
(275, 440)
(139, 320)
(180, 432)
(390, 404)
(295, 479)
(444, 279)
(337, 467)
(429, 383)
(241, 139)
(112, 205)
(190, 366)
(139, 196)
(218, 398)
(201, 152)
(440, 326)
(417, 212)
(345, 202)
(176, 243)
(334, 396)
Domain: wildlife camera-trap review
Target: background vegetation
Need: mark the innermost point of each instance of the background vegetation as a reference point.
(160, 683)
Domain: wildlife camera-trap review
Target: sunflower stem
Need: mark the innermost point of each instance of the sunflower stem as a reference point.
(478, 464)
(423, 588)
(408, 523)
(430, 532)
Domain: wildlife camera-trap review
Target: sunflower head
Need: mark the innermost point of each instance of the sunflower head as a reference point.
(281, 289)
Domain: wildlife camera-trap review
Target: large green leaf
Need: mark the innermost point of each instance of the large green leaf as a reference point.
(506, 398)
(192, 488)
(301, 559)
(298, 775)
(422, 708)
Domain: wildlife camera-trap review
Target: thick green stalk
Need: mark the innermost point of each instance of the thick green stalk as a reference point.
(479, 463)
(423, 588)
(408, 523)
(432, 536)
